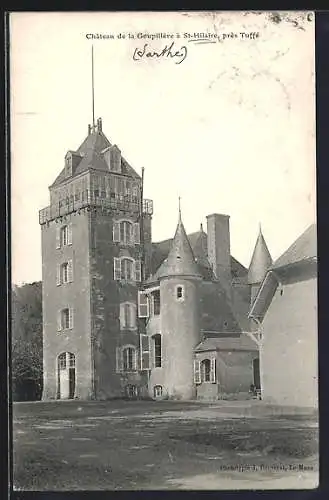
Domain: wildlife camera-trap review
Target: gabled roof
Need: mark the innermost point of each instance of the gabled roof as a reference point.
(300, 256)
(92, 157)
(241, 343)
(180, 260)
(260, 262)
(305, 247)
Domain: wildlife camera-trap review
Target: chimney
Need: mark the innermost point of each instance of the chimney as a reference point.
(99, 124)
(219, 252)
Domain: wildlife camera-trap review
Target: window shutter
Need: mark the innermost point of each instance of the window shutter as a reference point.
(136, 233)
(116, 231)
(134, 359)
(143, 305)
(138, 274)
(144, 352)
(58, 274)
(70, 318)
(118, 359)
(132, 311)
(213, 370)
(197, 372)
(59, 321)
(122, 316)
(58, 237)
(69, 233)
(117, 268)
(70, 271)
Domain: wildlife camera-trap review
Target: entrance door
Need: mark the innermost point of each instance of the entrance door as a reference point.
(256, 373)
(66, 375)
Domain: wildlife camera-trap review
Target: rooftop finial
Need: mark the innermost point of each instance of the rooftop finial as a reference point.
(179, 209)
(260, 227)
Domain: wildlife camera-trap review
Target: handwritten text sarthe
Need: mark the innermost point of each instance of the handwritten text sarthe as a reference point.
(169, 51)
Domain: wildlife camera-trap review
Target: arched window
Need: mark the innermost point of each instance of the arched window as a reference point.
(126, 232)
(129, 359)
(157, 391)
(205, 370)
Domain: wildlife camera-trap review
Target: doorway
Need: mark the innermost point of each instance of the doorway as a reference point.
(66, 375)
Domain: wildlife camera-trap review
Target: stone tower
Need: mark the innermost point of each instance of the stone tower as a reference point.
(260, 262)
(179, 282)
(96, 239)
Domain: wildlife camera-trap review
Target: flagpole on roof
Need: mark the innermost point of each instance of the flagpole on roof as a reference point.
(92, 84)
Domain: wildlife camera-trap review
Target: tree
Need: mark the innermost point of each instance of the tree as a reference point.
(26, 352)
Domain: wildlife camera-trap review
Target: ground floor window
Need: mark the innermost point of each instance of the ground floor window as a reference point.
(131, 391)
(157, 390)
(205, 370)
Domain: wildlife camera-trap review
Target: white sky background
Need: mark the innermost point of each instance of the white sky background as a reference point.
(231, 129)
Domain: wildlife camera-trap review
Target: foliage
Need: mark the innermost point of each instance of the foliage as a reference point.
(26, 341)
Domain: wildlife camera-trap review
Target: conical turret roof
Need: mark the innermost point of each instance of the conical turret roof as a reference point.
(180, 260)
(260, 262)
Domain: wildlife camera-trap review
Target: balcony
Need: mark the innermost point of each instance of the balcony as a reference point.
(124, 204)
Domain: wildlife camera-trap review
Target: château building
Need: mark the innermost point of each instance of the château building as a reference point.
(125, 316)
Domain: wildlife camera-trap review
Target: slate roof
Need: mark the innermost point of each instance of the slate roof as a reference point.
(180, 260)
(216, 311)
(241, 343)
(92, 157)
(261, 260)
(305, 247)
(198, 242)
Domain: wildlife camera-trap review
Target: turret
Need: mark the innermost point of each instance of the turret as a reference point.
(260, 262)
(179, 279)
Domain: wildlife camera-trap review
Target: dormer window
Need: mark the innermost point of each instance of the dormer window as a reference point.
(68, 165)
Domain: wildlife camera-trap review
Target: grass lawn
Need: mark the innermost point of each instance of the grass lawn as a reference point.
(161, 445)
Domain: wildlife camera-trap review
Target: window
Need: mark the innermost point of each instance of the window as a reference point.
(126, 232)
(205, 371)
(96, 193)
(66, 360)
(143, 305)
(144, 349)
(64, 273)
(65, 319)
(62, 361)
(157, 391)
(64, 236)
(180, 293)
(157, 350)
(128, 315)
(126, 269)
(129, 359)
(156, 302)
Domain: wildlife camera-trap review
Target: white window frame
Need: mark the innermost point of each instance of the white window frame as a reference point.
(59, 273)
(131, 312)
(144, 351)
(182, 298)
(134, 358)
(60, 319)
(212, 370)
(197, 372)
(135, 269)
(145, 303)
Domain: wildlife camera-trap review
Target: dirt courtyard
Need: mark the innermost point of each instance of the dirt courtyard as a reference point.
(139, 445)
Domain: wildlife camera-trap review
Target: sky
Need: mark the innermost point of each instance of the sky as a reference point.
(230, 129)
